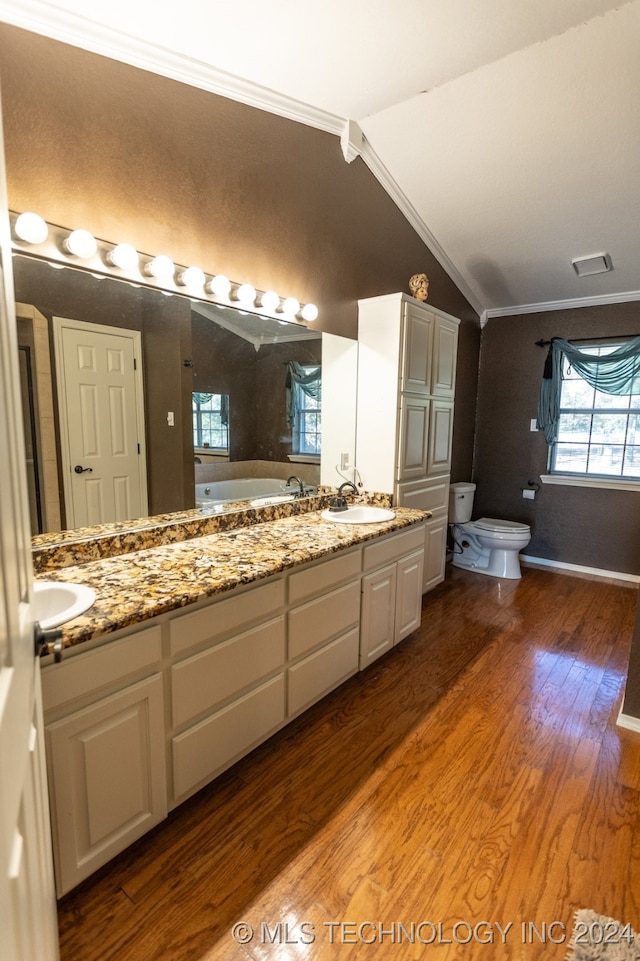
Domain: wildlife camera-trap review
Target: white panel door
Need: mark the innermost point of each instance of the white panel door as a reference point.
(101, 422)
(27, 901)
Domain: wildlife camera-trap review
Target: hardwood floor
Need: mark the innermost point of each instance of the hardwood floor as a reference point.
(473, 777)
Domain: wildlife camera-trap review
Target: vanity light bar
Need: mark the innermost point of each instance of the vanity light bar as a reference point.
(33, 236)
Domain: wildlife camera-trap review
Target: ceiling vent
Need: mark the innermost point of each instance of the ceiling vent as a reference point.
(595, 264)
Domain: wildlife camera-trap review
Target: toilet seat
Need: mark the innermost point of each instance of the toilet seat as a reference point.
(501, 527)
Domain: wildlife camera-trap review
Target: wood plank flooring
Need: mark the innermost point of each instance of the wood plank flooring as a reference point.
(461, 798)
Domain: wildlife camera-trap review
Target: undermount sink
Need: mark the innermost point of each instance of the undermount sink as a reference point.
(55, 602)
(359, 514)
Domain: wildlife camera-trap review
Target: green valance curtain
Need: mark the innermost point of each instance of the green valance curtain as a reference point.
(615, 373)
(308, 379)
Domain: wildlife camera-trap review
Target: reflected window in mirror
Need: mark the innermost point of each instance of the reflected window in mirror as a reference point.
(211, 422)
(304, 408)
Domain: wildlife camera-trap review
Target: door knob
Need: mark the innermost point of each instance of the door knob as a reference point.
(82, 470)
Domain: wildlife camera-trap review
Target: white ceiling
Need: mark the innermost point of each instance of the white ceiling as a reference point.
(508, 131)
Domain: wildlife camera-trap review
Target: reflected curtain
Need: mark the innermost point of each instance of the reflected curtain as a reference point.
(308, 379)
(614, 373)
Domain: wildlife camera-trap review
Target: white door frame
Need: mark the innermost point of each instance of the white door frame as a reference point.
(59, 325)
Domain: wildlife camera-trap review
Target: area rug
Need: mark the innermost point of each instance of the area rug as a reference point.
(598, 938)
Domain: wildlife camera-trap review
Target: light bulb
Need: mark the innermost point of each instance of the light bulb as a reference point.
(123, 256)
(246, 294)
(219, 286)
(81, 243)
(161, 267)
(309, 312)
(31, 228)
(192, 277)
(269, 300)
(290, 307)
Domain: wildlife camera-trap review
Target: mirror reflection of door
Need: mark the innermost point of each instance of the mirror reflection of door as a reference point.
(99, 373)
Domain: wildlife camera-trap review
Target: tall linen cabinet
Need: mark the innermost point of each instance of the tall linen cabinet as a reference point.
(407, 354)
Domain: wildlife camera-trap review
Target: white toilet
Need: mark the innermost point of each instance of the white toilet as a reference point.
(487, 546)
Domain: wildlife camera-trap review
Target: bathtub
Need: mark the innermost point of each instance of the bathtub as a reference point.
(242, 489)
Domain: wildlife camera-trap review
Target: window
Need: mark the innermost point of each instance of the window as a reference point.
(306, 428)
(211, 421)
(598, 433)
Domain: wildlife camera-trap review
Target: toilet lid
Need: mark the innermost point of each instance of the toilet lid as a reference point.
(501, 527)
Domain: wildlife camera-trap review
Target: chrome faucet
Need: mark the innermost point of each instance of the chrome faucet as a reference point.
(299, 482)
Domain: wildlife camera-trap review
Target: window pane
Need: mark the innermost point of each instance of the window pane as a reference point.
(574, 427)
(610, 401)
(577, 393)
(608, 429)
(605, 459)
(631, 466)
(571, 458)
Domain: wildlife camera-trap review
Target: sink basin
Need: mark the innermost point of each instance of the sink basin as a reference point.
(359, 514)
(55, 602)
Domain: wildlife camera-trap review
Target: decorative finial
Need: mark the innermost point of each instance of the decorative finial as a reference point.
(419, 286)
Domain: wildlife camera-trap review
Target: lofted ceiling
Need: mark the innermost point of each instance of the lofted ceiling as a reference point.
(507, 131)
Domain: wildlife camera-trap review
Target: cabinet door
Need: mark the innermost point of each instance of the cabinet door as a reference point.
(108, 780)
(413, 446)
(417, 347)
(378, 614)
(408, 595)
(435, 552)
(445, 350)
(440, 436)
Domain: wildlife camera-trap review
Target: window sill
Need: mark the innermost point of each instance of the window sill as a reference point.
(303, 458)
(575, 480)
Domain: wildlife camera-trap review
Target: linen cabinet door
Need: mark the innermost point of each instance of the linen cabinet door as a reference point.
(108, 776)
(409, 579)
(413, 447)
(445, 353)
(417, 347)
(435, 552)
(440, 436)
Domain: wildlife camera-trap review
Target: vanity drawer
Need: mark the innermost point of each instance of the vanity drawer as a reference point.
(319, 673)
(205, 680)
(79, 676)
(224, 616)
(321, 620)
(390, 548)
(208, 748)
(324, 576)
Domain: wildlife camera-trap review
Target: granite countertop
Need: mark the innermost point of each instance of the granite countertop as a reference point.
(130, 588)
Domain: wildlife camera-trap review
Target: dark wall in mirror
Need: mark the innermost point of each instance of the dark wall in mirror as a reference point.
(255, 382)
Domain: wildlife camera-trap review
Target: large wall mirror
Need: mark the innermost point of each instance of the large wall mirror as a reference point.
(232, 367)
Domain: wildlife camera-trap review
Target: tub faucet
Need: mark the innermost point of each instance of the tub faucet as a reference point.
(299, 482)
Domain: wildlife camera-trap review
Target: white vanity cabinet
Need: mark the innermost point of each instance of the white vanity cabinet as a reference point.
(406, 385)
(138, 721)
(105, 745)
(391, 593)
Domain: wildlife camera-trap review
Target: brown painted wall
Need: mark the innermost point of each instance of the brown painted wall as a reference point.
(576, 525)
(173, 169)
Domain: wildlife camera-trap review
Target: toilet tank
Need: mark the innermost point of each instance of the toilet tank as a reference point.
(461, 503)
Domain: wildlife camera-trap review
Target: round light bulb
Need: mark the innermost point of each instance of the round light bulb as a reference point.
(270, 300)
(31, 228)
(219, 286)
(309, 312)
(192, 277)
(161, 267)
(290, 307)
(246, 294)
(81, 243)
(123, 256)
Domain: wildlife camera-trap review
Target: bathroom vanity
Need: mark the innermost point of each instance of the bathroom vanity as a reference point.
(196, 652)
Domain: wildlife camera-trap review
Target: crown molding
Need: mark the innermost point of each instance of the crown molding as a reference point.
(78, 31)
(622, 298)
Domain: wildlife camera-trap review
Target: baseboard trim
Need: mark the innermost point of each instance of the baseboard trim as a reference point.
(628, 722)
(580, 569)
